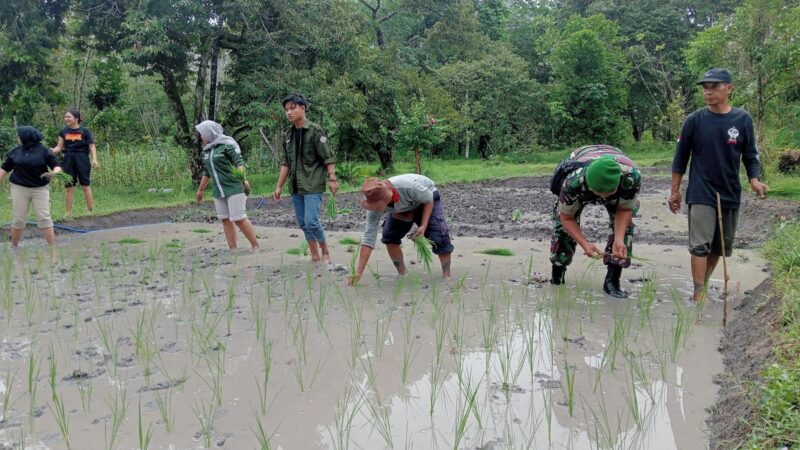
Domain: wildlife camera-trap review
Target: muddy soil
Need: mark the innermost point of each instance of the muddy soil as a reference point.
(484, 209)
(746, 346)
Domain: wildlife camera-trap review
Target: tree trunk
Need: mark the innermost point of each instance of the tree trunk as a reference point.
(196, 155)
(483, 146)
(182, 137)
(384, 155)
(212, 94)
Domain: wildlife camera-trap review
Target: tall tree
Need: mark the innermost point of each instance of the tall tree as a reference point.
(29, 32)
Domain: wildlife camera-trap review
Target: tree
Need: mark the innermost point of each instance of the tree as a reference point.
(591, 80)
(418, 131)
(29, 32)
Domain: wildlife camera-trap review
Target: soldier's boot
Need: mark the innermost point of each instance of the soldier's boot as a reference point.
(558, 274)
(611, 284)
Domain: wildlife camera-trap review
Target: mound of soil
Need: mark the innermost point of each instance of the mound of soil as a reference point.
(479, 209)
(746, 347)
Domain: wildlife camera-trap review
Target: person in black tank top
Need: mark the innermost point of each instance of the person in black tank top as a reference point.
(78, 145)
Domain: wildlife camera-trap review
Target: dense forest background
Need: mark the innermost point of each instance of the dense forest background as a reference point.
(496, 76)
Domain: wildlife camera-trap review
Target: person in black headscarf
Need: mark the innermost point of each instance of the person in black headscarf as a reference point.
(31, 166)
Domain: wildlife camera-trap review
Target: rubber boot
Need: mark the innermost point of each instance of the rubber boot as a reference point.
(558, 274)
(611, 284)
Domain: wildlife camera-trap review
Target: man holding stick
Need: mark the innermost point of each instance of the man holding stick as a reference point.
(717, 139)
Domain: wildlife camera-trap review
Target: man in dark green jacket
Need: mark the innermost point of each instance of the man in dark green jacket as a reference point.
(308, 164)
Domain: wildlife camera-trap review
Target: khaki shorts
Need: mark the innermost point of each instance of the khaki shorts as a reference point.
(233, 207)
(21, 199)
(704, 235)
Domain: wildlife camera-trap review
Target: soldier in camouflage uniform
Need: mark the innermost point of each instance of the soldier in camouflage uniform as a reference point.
(602, 175)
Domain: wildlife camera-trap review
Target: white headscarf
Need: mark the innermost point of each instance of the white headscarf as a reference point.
(212, 133)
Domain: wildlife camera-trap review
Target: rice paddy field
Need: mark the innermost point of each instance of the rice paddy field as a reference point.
(157, 337)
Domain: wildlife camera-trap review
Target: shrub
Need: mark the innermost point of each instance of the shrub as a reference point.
(789, 161)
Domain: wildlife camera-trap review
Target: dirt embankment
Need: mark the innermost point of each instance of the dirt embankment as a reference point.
(746, 345)
(484, 209)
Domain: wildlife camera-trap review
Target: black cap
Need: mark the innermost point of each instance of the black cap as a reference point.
(716, 76)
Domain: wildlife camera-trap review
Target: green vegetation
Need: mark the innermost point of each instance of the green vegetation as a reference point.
(349, 241)
(130, 240)
(496, 252)
(779, 419)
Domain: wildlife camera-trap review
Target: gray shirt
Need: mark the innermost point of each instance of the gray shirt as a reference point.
(414, 190)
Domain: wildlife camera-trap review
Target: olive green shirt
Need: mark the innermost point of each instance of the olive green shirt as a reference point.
(218, 165)
(307, 164)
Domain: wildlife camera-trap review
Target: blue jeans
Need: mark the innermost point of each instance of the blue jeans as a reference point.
(306, 211)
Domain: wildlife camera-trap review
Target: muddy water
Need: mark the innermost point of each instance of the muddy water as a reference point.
(484, 361)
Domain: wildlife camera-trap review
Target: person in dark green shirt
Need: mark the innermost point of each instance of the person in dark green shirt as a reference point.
(308, 164)
(221, 155)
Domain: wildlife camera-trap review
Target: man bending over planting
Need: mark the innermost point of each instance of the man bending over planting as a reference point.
(595, 174)
(407, 199)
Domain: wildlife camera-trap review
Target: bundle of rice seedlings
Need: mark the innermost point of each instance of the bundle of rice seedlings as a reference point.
(497, 251)
(424, 247)
(516, 215)
(240, 175)
(61, 177)
(330, 208)
(349, 241)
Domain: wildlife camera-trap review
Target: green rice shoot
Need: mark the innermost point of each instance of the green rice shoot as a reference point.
(424, 247)
(201, 230)
(344, 211)
(496, 251)
(240, 175)
(299, 251)
(516, 215)
(349, 241)
(175, 244)
(130, 240)
(330, 208)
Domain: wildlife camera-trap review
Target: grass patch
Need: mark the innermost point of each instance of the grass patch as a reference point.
(778, 419)
(496, 252)
(201, 230)
(349, 241)
(130, 240)
(174, 244)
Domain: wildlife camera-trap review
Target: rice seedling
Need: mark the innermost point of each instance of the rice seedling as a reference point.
(356, 336)
(379, 416)
(639, 373)
(348, 241)
(382, 332)
(205, 416)
(118, 407)
(496, 252)
(437, 381)
(344, 414)
(569, 385)
(230, 303)
(145, 434)
(299, 251)
(164, 404)
(9, 386)
(330, 207)
(201, 230)
(516, 215)
(61, 417)
(86, 392)
(33, 378)
(264, 439)
(130, 240)
(409, 354)
(631, 401)
(467, 404)
(423, 247)
(263, 382)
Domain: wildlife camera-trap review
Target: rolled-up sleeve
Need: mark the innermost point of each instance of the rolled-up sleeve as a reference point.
(323, 151)
(370, 236)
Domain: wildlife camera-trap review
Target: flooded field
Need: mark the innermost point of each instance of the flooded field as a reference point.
(157, 337)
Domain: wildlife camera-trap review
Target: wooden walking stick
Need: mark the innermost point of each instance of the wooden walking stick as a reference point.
(724, 264)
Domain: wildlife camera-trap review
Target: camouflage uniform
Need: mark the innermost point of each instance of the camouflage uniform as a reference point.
(575, 194)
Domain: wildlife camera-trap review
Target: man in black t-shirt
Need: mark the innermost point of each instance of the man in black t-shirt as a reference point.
(717, 139)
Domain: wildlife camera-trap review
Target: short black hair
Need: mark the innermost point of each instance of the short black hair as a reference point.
(297, 99)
